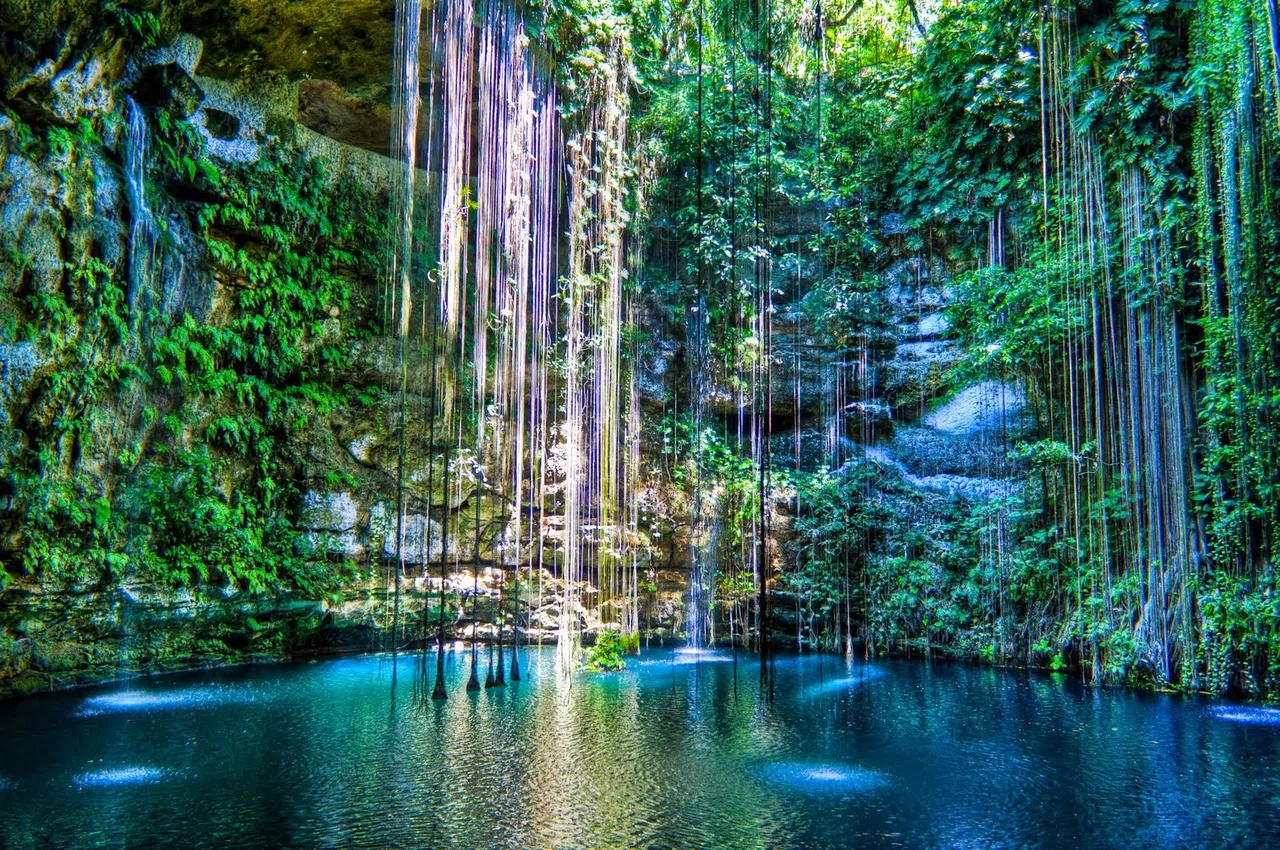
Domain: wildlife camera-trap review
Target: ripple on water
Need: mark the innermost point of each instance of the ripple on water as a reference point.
(823, 777)
(1245, 714)
(119, 776)
(141, 701)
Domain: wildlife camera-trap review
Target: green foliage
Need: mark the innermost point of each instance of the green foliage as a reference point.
(196, 528)
(1241, 649)
(1043, 454)
(206, 497)
(974, 140)
(605, 656)
(701, 456)
(140, 24)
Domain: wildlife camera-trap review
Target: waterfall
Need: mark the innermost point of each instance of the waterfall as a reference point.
(142, 229)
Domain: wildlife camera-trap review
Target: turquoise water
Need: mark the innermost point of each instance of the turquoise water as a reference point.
(678, 750)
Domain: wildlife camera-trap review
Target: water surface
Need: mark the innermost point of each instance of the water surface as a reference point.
(678, 750)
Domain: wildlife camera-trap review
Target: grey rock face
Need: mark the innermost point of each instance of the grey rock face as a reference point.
(328, 512)
(232, 128)
(361, 448)
(423, 536)
(328, 521)
(184, 53)
(345, 544)
(30, 220)
(987, 407)
(18, 364)
(102, 225)
(417, 530)
(81, 91)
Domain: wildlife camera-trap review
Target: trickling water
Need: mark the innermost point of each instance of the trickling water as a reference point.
(142, 228)
(702, 576)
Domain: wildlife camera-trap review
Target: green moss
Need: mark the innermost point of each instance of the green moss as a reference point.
(57, 657)
(28, 683)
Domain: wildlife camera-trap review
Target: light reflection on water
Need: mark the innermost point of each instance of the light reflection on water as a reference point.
(690, 655)
(148, 700)
(823, 777)
(1248, 714)
(676, 750)
(844, 683)
(118, 776)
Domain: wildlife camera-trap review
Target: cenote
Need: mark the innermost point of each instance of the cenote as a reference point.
(631, 342)
(662, 754)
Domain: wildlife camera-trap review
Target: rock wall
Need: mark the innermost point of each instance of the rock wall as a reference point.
(52, 638)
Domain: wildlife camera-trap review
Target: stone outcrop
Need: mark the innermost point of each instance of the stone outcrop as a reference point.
(329, 109)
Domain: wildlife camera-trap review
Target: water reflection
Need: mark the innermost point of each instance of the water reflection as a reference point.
(823, 777)
(864, 675)
(669, 752)
(691, 655)
(154, 700)
(118, 776)
(1238, 714)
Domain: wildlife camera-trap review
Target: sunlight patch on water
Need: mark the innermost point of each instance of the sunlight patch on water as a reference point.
(119, 776)
(693, 655)
(846, 683)
(1244, 714)
(823, 777)
(143, 701)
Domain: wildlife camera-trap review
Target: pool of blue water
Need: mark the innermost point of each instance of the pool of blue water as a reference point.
(679, 750)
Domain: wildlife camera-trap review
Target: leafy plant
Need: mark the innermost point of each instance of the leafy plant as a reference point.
(605, 656)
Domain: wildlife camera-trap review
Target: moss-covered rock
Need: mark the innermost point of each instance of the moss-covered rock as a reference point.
(57, 656)
(25, 684)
